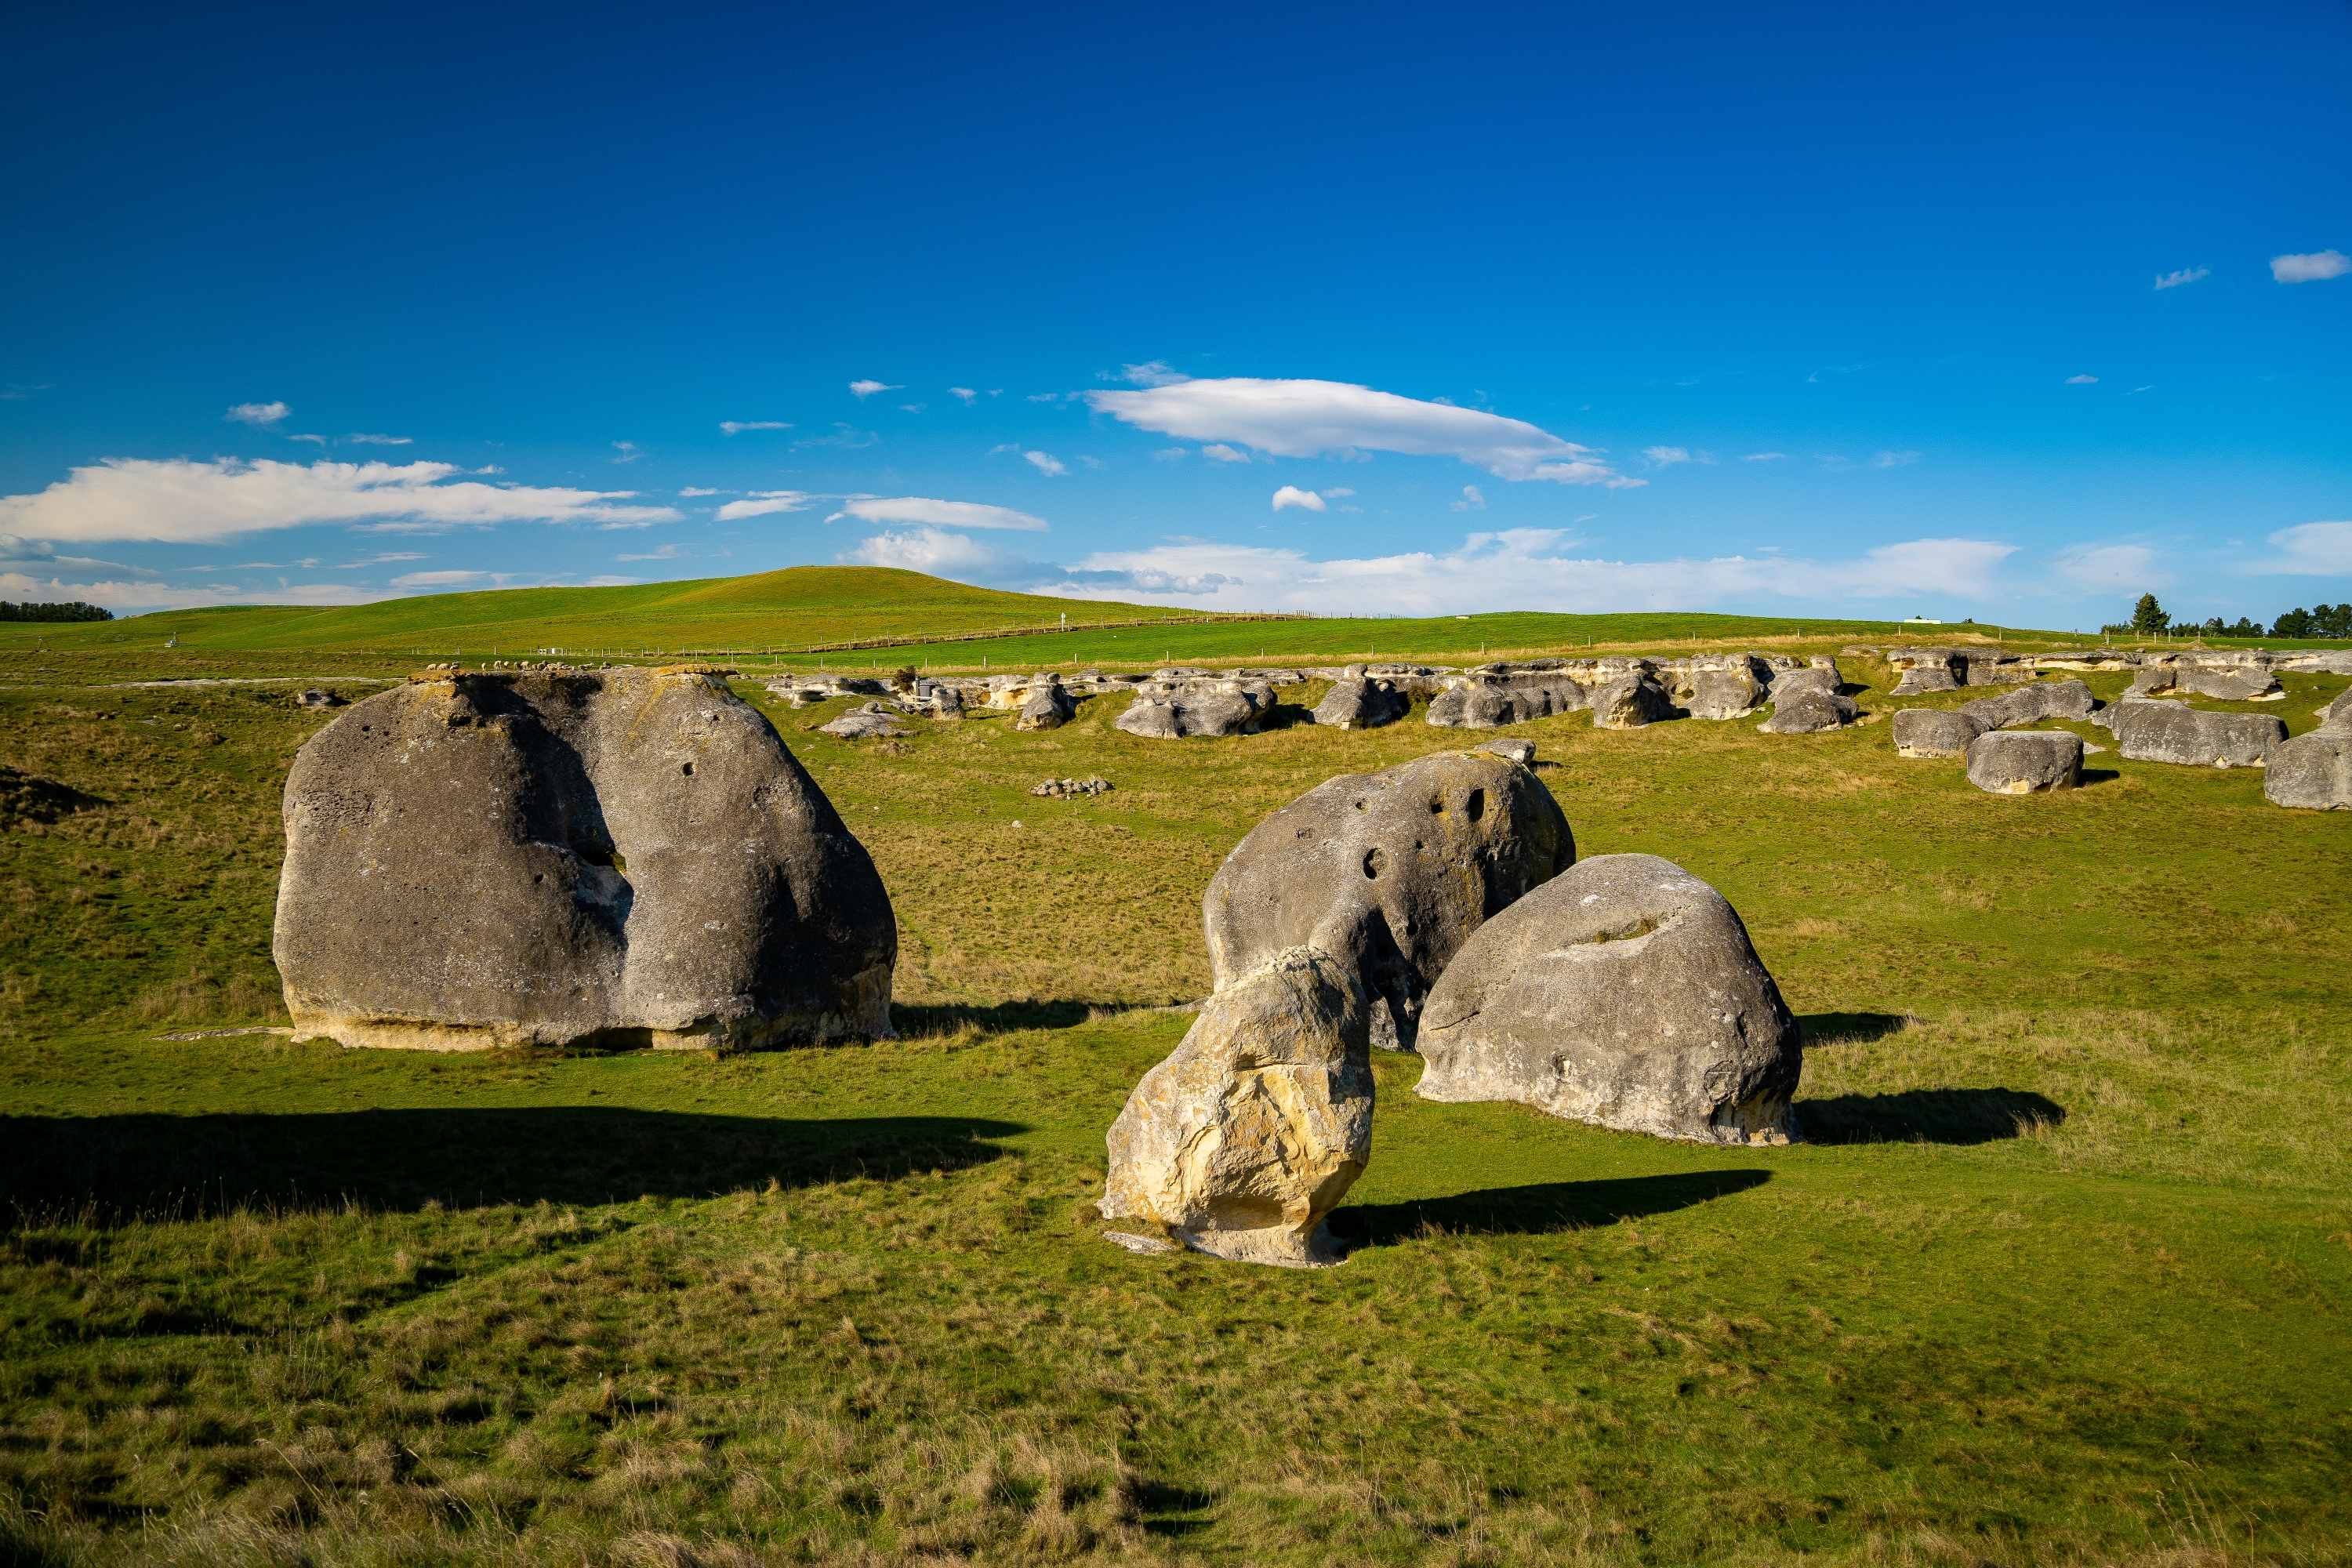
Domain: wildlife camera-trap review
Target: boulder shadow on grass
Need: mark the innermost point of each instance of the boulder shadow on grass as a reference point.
(1928, 1116)
(105, 1170)
(1538, 1208)
(1838, 1028)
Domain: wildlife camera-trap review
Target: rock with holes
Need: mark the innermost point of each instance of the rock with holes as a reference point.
(1935, 733)
(1244, 1141)
(2312, 772)
(1720, 686)
(1624, 992)
(618, 858)
(1358, 701)
(1389, 872)
(2035, 762)
(1048, 706)
(2176, 733)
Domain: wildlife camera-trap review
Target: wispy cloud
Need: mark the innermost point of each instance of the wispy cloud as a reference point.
(16, 551)
(1291, 494)
(260, 415)
(1765, 457)
(966, 393)
(1666, 456)
(2082, 381)
(1221, 453)
(628, 451)
(737, 426)
(382, 558)
(180, 501)
(938, 513)
(1153, 373)
(1894, 459)
(763, 503)
(2186, 275)
(692, 490)
(866, 389)
(667, 552)
(2309, 549)
(912, 407)
(845, 436)
(1471, 500)
(1044, 462)
(1331, 418)
(2316, 267)
(359, 440)
(2109, 569)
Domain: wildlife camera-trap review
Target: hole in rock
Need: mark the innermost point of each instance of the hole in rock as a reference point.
(1477, 808)
(1374, 860)
(688, 770)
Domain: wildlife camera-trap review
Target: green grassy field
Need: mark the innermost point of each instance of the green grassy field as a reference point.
(2062, 1275)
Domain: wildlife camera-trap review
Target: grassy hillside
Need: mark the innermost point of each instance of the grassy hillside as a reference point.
(2059, 1279)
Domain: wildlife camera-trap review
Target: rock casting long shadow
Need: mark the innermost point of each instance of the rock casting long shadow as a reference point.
(109, 1168)
(1928, 1116)
(1538, 1208)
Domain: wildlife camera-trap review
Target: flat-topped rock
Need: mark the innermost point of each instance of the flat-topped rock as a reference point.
(1362, 702)
(1173, 710)
(1935, 732)
(2192, 737)
(1490, 698)
(2032, 704)
(1624, 993)
(866, 721)
(2025, 761)
(1809, 711)
(623, 858)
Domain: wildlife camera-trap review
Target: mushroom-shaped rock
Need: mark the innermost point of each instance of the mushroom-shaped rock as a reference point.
(1048, 706)
(1935, 733)
(1359, 702)
(1807, 711)
(1624, 993)
(625, 858)
(1389, 872)
(1248, 1135)
(2174, 733)
(1629, 702)
(863, 722)
(2313, 771)
(2027, 762)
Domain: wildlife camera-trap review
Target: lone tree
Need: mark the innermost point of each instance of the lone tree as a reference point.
(2148, 618)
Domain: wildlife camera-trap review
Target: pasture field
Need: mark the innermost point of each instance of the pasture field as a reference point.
(2061, 1275)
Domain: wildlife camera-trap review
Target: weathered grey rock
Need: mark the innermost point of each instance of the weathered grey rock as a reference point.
(2174, 733)
(1049, 705)
(1521, 751)
(2338, 714)
(2025, 761)
(1171, 711)
(1388, 871)
(1057, 787)
(1246, 1137)
(2313, 771)
(319, 697)
(1631, 701)
(2229, 676)
(623, 858)
(1808, 713)
(1486, 699)
(1716, 686)
(868, 720)
(1935, 732)
(1993, 667)
(1923, 670)
(1820, 678)
(1624, 993)
(2032, 704)
(2309, 661)
(1357, 701)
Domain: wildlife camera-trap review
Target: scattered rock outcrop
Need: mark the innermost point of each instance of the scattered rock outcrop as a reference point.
(2032, 704)
(1245, 1137)
(1809, 710)
(1048, 706)
(1360, 702)
(2176, 733)
(1389, 872)
(626, 857)
(1057, 787)
(1950, 669)
(1173, 709)
(1500, 694)
(1521, 751)
(1720, 686)
(1623, 992)
(2025, 761)
(866, 721)
(1631, 701)
(2225, 676)
(1935, 732)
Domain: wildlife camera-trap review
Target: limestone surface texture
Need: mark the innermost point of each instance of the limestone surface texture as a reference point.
(1623, 992)
(1492, 698)
(615, 858)
(1048, 706)
(868, 720)
(2032, 704)
(1808, 713)
(2174, 733)
(1358, 702)
(1243, 1141)
(1389, 872)
(2312, 770)
(1521, 751)
(1631, 701)
(1176, 708)
(2031, 761)
(1935, 732)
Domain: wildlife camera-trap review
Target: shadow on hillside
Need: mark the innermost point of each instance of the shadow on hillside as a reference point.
(110, 1168)
(1927, 1116)
(1841, 1028)
(946, 1018)
(1538, 1208)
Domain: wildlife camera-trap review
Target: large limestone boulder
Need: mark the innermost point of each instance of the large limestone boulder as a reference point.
(2032, 761)
(2032, 704)
(1631, 701)
(1169, 710)
(1389, 872)
(866, 721)
(1717, 686)
(1491, 698)
(623, 857)
(1923, 670)
(1244, 1139)
(1048, 706)
(1807, 711)
(1624, 993)
(1935, 732)
(2338, 715)
(2313, 771)
(2174, 733)
(1358, 702)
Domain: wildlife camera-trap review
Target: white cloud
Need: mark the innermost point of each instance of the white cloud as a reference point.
(628, 451)
(131, 597)
(939, 513)
(691, 491)
(2311, 549)
(667, 552)
(737, 426)
(1666, 456)
(966, 393)
(912, 407)
(2186, 275)
(450, 579)
(1221, 453)
(1311, 418)
(1764, 458)
(1170, 454)
(944, 555)
(1045, 463)
(382, 558)
(1894, 459)
(321, 440)
(359, 440)
(16, 551)
(2110, 568)
(1336, 491)
(762, 503)
(1471, 500)
(866, 389)
(2082, 381)
(429, 582)
(1153, 373)
(184, 503)
(2316, 268)
(848, 437)
(260, 415)
(1291, 494)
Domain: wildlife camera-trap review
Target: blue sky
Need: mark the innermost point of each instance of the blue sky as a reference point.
(2004, 312)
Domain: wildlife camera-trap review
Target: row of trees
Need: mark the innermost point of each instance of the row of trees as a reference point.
(76, 611)
(2150, 619)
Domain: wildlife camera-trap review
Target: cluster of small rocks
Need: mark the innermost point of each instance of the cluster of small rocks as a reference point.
(1073, 786)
